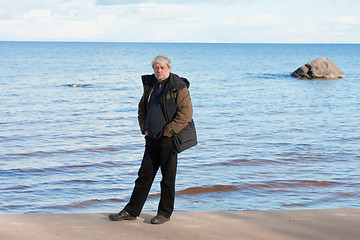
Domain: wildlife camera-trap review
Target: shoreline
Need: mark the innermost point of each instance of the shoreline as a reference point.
(279, 224)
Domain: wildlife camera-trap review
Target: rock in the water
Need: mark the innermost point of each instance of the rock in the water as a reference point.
(77, 85)
(321, 68)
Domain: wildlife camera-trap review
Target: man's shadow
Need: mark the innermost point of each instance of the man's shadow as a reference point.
(145, 216)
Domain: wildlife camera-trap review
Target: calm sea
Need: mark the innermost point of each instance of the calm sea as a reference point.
(266, 140)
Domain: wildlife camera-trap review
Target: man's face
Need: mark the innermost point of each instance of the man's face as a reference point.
(162, 71)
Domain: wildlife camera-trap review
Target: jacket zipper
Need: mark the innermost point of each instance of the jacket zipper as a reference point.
(148, 100)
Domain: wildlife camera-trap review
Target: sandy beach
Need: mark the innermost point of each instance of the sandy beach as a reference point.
(285, 224)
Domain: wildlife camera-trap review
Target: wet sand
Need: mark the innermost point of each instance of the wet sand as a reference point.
(285, 224)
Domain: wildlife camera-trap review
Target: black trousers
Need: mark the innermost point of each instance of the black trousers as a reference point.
(159, 153)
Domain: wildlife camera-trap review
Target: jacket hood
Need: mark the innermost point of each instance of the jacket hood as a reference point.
(179, 82)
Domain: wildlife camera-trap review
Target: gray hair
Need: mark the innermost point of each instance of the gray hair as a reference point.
(161, 59)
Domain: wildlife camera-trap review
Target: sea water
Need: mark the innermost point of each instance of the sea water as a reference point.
(70, 141)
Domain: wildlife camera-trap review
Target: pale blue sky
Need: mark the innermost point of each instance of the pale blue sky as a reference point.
(243, 21)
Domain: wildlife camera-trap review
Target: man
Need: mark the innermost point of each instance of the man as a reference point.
(165, 118)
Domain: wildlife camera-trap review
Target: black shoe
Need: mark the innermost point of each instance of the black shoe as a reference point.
(159, 219)
(123, 215)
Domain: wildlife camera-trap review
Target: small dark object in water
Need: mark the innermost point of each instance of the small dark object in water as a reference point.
(77, 85)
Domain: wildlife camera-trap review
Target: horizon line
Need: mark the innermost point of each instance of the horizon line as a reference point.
(155, 42)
